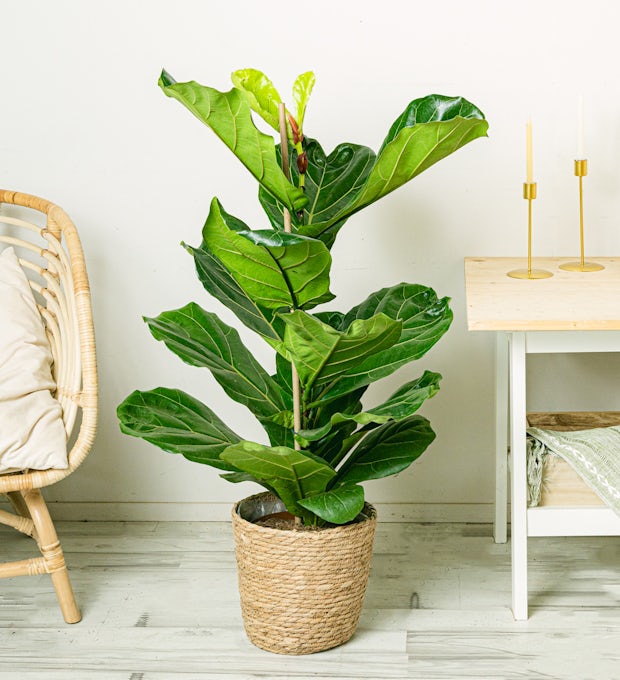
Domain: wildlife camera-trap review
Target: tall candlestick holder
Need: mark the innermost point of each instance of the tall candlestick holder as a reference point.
(581, 170)
(529, 193)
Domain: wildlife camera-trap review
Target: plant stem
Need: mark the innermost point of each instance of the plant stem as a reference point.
(287, 228)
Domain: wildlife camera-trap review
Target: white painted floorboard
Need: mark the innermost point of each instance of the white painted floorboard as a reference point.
(160, 603)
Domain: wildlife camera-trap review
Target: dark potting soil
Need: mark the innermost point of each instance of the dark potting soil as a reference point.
(284, 521)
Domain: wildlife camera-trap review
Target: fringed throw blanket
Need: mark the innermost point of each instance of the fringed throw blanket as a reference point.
(593, 454)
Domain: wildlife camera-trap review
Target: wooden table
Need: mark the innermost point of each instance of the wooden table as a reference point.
(569, 312)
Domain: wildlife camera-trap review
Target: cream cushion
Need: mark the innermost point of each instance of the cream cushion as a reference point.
(32, 433)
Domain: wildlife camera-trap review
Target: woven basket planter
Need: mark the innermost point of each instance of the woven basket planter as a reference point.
(301, 591)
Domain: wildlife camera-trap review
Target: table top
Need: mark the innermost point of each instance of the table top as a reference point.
(566, 301)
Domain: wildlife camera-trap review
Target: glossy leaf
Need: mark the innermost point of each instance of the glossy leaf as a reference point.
(330, 446)
(403, 403)
(228, 114)
(219, 282)
(304, 264)
(238, 477)
(177, 423)
(414, 150)
(427, 131)
(274, 269)
(331, 318)
(261, 94)
(322, 354)
(338, 506)
(200, 338)
(332, 184)
(409, 397)
(387, 450)
(431, 109)
(425, 318)
(292, 474)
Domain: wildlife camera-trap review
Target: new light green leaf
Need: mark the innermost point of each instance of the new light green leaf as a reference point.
(275, 269)
(261, 94)
(200, 338)
(229, 115)
(292, 474)
(302, 89)
(338, 506)
(322, 354)
(387, 450)
(177, 423)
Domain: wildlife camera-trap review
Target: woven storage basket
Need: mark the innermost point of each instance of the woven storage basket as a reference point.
(562, 486)
(301, 591)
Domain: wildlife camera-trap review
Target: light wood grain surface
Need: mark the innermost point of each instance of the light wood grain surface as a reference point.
(160, 603)
(566, 301)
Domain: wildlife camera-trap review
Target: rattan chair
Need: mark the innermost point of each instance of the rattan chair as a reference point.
(51, 255)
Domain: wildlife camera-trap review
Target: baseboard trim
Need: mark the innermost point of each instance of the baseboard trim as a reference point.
(478, 513)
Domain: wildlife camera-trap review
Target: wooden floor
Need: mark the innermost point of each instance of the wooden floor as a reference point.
(160, 603)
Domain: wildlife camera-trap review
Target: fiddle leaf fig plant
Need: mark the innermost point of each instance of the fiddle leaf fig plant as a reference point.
(322, 441)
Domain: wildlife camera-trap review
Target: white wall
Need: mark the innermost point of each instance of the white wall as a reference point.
(85, 125)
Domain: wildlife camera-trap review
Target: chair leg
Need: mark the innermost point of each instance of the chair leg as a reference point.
(17, 502)
(52, 553)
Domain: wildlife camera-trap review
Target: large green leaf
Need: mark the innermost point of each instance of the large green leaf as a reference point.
(425, 318)
(275, 269)
(329, 446)
(414, 150)
(428, 130)
(260, 92)
(219, 282)
(338, 506)
(409, 397)
(322, 354)
(403, 403)
(200, 338)
(431, 109)
(292, 474)
(387, 450)
(332, 184)
(177, 423)
(228, 114)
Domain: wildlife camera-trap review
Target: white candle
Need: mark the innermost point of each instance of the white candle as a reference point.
(581, 154)
(529, 166)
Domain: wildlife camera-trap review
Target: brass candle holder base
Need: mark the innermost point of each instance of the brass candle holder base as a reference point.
(581, 267)
(530, 274)
(581, 170)
(529, 193)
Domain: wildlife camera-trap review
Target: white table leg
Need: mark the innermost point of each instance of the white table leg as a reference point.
(501, 438)
(518, 498)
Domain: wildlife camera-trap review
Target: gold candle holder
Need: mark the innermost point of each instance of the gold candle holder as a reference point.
(529, 193)
(581, 170)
